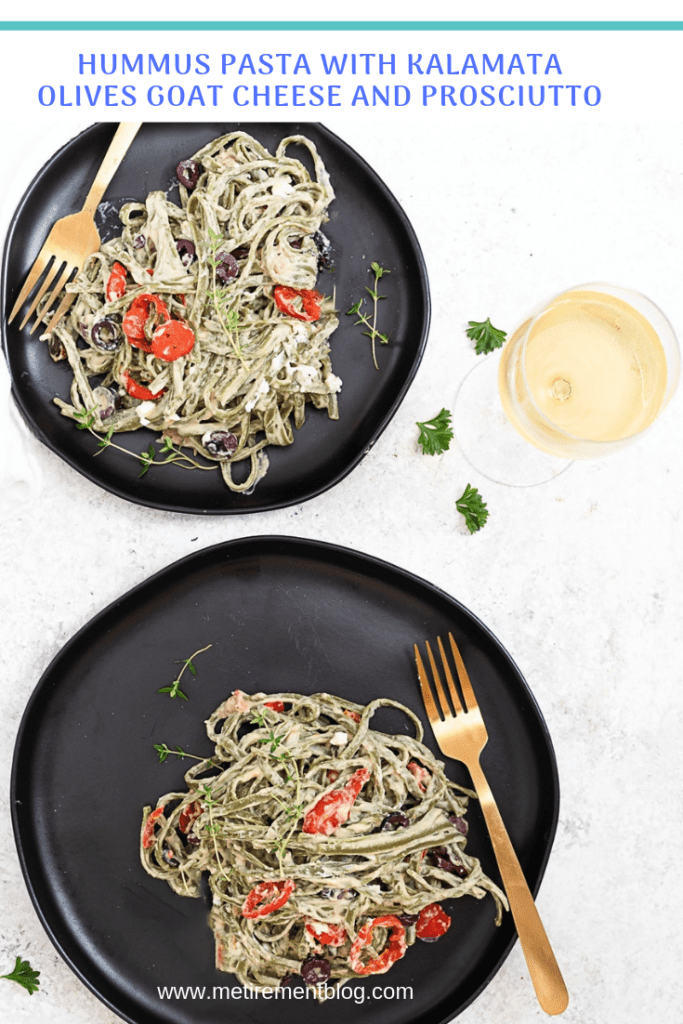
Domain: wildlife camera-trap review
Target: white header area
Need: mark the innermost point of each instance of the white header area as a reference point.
(283, 76)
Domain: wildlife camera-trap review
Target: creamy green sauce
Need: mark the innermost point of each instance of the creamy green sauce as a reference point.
(268, 769)
(253, 379)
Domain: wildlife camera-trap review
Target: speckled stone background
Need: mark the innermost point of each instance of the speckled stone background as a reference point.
(579, 578)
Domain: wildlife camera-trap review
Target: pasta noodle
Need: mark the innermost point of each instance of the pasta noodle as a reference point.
(315, 829)
(202, 321)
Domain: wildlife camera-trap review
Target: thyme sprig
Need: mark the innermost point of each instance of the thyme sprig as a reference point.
(222, 299)
(212, 828)
(163, 751)
(174, 689)
(292, 812)
(85, 420)
(364, 319)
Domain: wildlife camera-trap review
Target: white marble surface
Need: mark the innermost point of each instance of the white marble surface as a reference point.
(579, 578)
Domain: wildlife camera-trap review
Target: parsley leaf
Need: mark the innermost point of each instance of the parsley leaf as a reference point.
(472, 506)
(486, 336)
(436, 434)
(24, 975)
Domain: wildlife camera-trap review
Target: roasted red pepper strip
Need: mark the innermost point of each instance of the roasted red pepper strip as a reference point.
(135, 320)
(148, 830)
(136, 390)
(116, 283)
(395, 949)
(172, 340)
(276, 893)
(326, 934)
(188, 815)
(285, 298)
(276, 705)
(333, 809)
(420, 773)
(432, 923)
(353, 715)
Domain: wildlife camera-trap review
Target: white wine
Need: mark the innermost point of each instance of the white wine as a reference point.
(589, 370)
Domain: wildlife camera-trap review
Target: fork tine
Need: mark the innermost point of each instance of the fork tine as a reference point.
(49, 278)
(467, 691)
(425, 688)
(39, 264)
(443, 701)
(449, 678)
(63, 278)
(61, 310)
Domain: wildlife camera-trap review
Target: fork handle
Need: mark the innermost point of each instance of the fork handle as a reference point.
(546, 977)
(118, 147)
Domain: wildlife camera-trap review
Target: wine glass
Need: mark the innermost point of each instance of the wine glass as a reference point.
(583, 377)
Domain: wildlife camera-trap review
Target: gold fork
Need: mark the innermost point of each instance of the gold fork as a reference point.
(463, 736)
(72, 239)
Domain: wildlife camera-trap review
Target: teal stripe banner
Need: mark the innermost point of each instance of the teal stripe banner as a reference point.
(341, 26)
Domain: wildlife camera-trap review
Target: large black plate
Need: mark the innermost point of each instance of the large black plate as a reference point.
(366, 224)
(282, 614)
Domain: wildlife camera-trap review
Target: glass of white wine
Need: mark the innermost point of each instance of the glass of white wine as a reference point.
(583, 377)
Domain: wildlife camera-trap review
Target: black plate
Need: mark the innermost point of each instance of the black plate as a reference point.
(366, 224)
(282, 614)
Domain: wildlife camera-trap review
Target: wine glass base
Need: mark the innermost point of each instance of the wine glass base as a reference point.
(488, 440)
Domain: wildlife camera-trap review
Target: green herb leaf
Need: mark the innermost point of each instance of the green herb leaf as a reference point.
(163, 751)
(165, 689)
(24, 975)
(85, 419)
(378, 271)
(471, 505)
(105, 441)
(436, 434)
(486, 336)
(355, 308)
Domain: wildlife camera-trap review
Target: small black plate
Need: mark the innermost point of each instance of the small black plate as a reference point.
(282, 614)
(366, 224)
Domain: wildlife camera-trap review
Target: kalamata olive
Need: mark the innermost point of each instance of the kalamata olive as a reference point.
(347, 894)
(170, 858)
(394, 821)
(106, 401)
(241, 252)
(315, 970)
(325, 261)
(84, 330)
(459, 823)
(443, 861)
(139, 242)
(193, 840)
(105, 335)
(227, 267)
(408, 919)
(188, 172)
(220, 443)
(296, 243)
(56, 348)
(186, 251)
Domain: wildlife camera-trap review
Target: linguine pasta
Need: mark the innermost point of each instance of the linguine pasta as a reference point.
(314, 828)
(205, 274)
